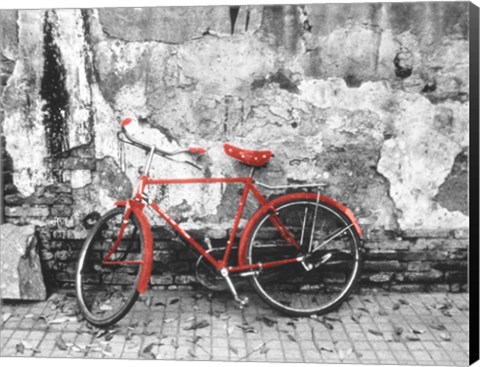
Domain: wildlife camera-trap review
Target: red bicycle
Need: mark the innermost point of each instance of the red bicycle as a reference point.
(300, 251)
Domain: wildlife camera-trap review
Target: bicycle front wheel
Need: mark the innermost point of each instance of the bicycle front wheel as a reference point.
(107, 288)
(329, 245)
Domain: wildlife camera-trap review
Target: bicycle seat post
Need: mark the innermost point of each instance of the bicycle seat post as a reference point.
(149, 160)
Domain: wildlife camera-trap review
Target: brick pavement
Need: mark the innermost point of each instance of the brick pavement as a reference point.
(379, 327)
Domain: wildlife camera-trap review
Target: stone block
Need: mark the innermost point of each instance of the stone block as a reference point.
(21, 272)
(383, 277)
(61, 211)
(431, 276)
(418, 266)
(185, 279)
(163, 279)
(390, 265)
(25, 211)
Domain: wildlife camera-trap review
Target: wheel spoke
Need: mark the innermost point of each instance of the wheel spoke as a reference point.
(330, 270)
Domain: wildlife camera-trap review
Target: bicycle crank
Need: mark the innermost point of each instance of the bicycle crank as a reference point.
(310, 266)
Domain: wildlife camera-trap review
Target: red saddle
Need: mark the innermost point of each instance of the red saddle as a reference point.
(256, 158)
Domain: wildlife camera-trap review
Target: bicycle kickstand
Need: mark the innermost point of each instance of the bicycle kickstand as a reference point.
(242, 301)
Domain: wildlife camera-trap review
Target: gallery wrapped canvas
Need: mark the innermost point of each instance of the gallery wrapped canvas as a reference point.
(276, 183)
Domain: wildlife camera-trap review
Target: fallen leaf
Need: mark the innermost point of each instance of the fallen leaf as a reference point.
(291, 337)
(20, 348)
(438, 326)
(197, 325)
(326, 349)
(159, 304)
(445, 337)
(174, 343)
(147, 353)
(447, 313)
(417, 331)
(247, 328)
(412, 338)
(6, 316)
(292, 324)
(264, 349)
(148, 332)
(396, 306)
(332, 318)
(29, 316)
(356, 317)
(192, 353)
(149, 348)
(403, 302)
(190, 319)
(195, 339)
(363, 309)
(324, 322)
(62, 320)
(382, 311)
(267, 320)
(174, 301)
(233, 349)
(76, 349)
(368, 300)
(60, 343)
(375, 332)
(398, 330)
(106, 353)
(168, 321)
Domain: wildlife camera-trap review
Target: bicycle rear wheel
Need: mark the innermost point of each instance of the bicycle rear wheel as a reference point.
(106, 292)
(329, 244)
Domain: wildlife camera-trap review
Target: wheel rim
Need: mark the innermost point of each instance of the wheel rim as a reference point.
(105, 291)
(292, 288)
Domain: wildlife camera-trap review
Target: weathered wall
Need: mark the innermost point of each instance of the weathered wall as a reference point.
(370, 98)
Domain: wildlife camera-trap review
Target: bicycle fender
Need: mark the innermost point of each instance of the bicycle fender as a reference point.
(137, 208)
(242, 248)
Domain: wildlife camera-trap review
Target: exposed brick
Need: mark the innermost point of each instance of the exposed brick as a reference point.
(418, 266)
(390, 265)
(389, 245)
(14, 199)
(381, 277)
(164, 257)
(456, 276)
(407, 288)
(163, 279)
(420, 277)
(61, 211)
(24, 211)
(426, 233)
(381, 255)
(451, 265)
(185, 279)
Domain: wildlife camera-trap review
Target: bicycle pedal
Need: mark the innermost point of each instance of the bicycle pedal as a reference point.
(242, 302)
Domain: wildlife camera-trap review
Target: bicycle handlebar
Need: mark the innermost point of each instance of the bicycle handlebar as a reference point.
(137, 143)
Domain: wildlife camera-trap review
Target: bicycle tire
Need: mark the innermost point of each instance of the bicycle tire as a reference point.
(92, 275)
(282, 287)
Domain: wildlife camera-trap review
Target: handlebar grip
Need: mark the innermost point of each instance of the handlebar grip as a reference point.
(126, 121)
(197, 150)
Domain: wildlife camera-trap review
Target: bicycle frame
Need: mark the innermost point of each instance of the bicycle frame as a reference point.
(140, 200)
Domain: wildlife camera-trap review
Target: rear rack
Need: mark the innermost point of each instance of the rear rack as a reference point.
(300, 186)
